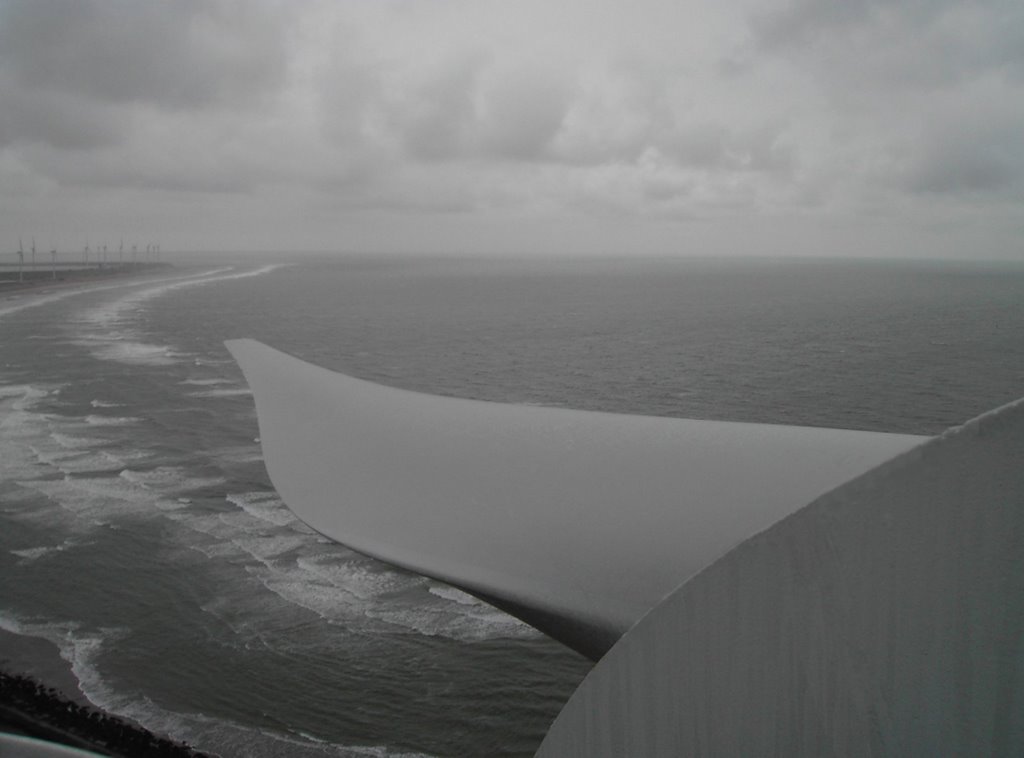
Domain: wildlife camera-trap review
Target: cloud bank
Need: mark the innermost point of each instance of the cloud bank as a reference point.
(804, 126)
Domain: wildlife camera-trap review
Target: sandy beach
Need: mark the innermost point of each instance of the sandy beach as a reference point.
(41, 660)
(40, 697)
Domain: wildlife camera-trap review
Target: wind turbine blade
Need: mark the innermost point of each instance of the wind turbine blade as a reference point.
(576, 522)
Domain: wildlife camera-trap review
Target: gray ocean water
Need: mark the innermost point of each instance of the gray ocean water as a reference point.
(140, 534)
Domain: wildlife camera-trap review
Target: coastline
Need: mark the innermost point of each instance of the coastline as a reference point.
(40, 695)
(30, 708)
(40, 659)
(42, 280)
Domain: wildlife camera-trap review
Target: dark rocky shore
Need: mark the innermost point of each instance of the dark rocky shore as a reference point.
(31, 708)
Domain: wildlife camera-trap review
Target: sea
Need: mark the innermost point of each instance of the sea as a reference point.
(141, 537)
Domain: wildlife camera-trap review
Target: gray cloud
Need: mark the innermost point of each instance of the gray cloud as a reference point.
(522, 112)
(63, 121)
(716, 146)
(180, 169)
(898, 43)
(530, 114)
(803, 22)
(347, 96)
(971, 154)
(183, 54)
(925, 97)
(433, 116)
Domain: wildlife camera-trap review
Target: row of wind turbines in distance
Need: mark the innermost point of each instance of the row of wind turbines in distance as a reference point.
(101, 260)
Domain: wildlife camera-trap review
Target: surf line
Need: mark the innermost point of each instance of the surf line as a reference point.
(206, 277)
(198, 278)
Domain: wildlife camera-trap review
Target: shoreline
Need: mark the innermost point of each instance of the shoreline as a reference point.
(40, 695)
(42, 280)
(40, 659)
(31, 708)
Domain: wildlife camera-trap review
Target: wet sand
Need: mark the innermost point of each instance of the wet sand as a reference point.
(34, 709)
(41, 660)
(40, 697)
(55, 708)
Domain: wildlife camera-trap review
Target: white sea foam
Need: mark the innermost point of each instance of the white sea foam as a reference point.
(110, 333)
(133, 352)
(169, 480)
(353, 575)
(21, 301)
(94, 420)
(345, 588)
(110, 314)
(268, 547)
(104, 404)
(262, 528)
(177, 504)
(336, 586)
(205, 382)
(265, 506)
(81, 649)
(323, 600)
(84, 461)
(20, 428)
(28, 301)
(72, 442)
(24, 396)
(423, 466)
(238, 534)
(456, 619)
(237, 392)
(223, 737)
(453, 594)
(96, 500)
(13, 390)
(57, 451)
(238, 454)
(71, 476)
(35, 553)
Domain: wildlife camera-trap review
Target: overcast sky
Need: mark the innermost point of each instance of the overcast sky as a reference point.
(851, 127)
